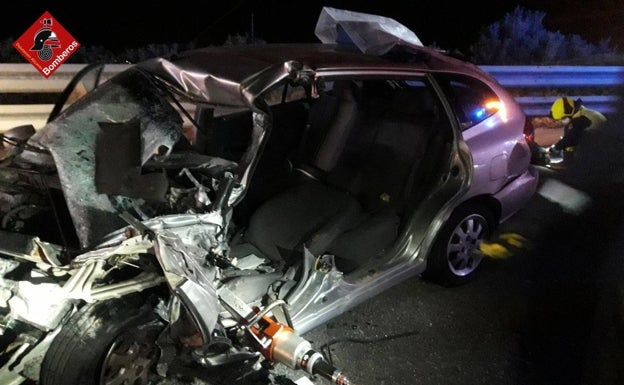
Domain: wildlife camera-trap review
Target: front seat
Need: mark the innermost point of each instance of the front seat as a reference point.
(369, 165)
(310, 213)
(326, 213)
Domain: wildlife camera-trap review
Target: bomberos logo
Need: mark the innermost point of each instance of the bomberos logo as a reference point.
(46, 44)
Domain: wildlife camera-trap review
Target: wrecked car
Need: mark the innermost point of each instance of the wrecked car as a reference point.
(211, 207)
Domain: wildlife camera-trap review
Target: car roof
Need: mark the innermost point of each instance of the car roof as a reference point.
(236, 74)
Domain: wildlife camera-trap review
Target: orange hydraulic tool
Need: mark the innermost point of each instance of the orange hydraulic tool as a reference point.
(279, 343)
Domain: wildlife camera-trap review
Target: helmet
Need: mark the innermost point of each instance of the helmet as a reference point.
(562, 108)
(41, 38)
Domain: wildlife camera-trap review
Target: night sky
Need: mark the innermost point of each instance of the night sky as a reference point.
(448, 25)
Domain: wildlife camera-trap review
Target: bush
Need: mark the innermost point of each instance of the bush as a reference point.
(520, 38)
(98, 54)
(8, 54)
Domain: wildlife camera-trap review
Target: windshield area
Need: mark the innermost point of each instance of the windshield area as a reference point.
(121, 148)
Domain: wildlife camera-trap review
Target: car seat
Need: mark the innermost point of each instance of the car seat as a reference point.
(351, 205)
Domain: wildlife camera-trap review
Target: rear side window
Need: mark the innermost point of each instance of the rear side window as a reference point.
(472, 101)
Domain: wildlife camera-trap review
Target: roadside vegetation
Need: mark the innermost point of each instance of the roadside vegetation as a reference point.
(519, 38)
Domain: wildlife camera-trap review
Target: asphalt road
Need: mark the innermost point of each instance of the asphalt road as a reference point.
(549, 315)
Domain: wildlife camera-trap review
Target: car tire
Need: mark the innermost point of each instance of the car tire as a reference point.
(104, 341)
(455, 258)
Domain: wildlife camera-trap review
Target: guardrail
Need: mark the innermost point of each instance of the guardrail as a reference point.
(18, 80)
(557, 76)
(540, 78)
(22, 79)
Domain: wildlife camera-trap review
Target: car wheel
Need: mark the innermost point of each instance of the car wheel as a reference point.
(112, 342)
(455, 258)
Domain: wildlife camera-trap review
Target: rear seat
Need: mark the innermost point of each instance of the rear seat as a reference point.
(384, 148)
(332, 116)
(382, 154)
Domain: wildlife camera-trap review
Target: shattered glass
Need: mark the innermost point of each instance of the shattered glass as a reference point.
(72, 141)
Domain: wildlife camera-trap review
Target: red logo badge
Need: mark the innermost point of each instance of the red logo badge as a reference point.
(46, 45)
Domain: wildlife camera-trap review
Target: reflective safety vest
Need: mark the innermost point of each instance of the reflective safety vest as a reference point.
(596, 119)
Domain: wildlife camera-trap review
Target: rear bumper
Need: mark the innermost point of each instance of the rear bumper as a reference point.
(516, 194)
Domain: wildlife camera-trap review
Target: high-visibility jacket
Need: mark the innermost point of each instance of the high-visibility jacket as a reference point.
(582, 120)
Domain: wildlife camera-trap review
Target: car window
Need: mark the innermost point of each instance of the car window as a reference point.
(87, 79)
(472, 101)
(284, 94)
(377, 138)
(412, 99)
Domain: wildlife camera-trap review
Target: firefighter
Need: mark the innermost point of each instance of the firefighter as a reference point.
(576, 119)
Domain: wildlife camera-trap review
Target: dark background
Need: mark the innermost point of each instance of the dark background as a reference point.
(117, 25)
